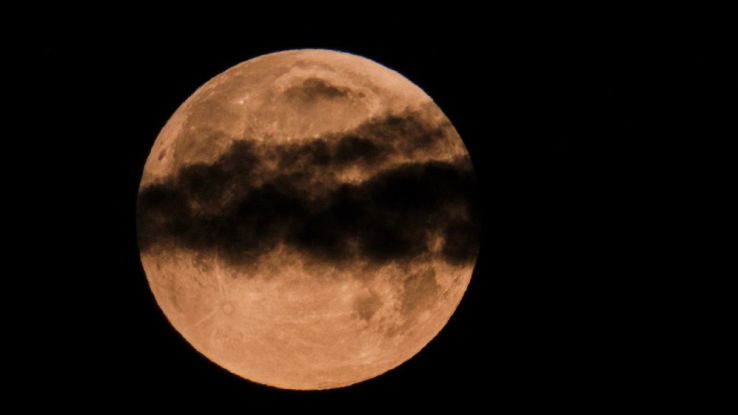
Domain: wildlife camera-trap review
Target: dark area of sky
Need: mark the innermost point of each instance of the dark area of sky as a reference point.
(582, 138)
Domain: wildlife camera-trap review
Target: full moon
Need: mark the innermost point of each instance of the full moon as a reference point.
(307, 219)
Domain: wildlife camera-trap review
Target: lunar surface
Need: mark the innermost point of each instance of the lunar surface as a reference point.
(307, 219)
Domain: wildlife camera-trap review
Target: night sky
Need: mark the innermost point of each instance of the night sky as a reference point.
(579, 136)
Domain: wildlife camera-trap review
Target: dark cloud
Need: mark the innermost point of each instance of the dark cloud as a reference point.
(353, 149)
(408, 135)
(241, 209)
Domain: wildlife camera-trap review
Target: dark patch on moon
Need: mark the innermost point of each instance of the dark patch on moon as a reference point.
(202, 263)
(420, 289)
(239, 208)
(312, 89)
(367, 305)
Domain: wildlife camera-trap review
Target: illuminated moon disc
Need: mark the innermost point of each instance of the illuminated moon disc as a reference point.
(307, 219)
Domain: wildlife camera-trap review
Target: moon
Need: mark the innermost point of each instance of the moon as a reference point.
(307, 219)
